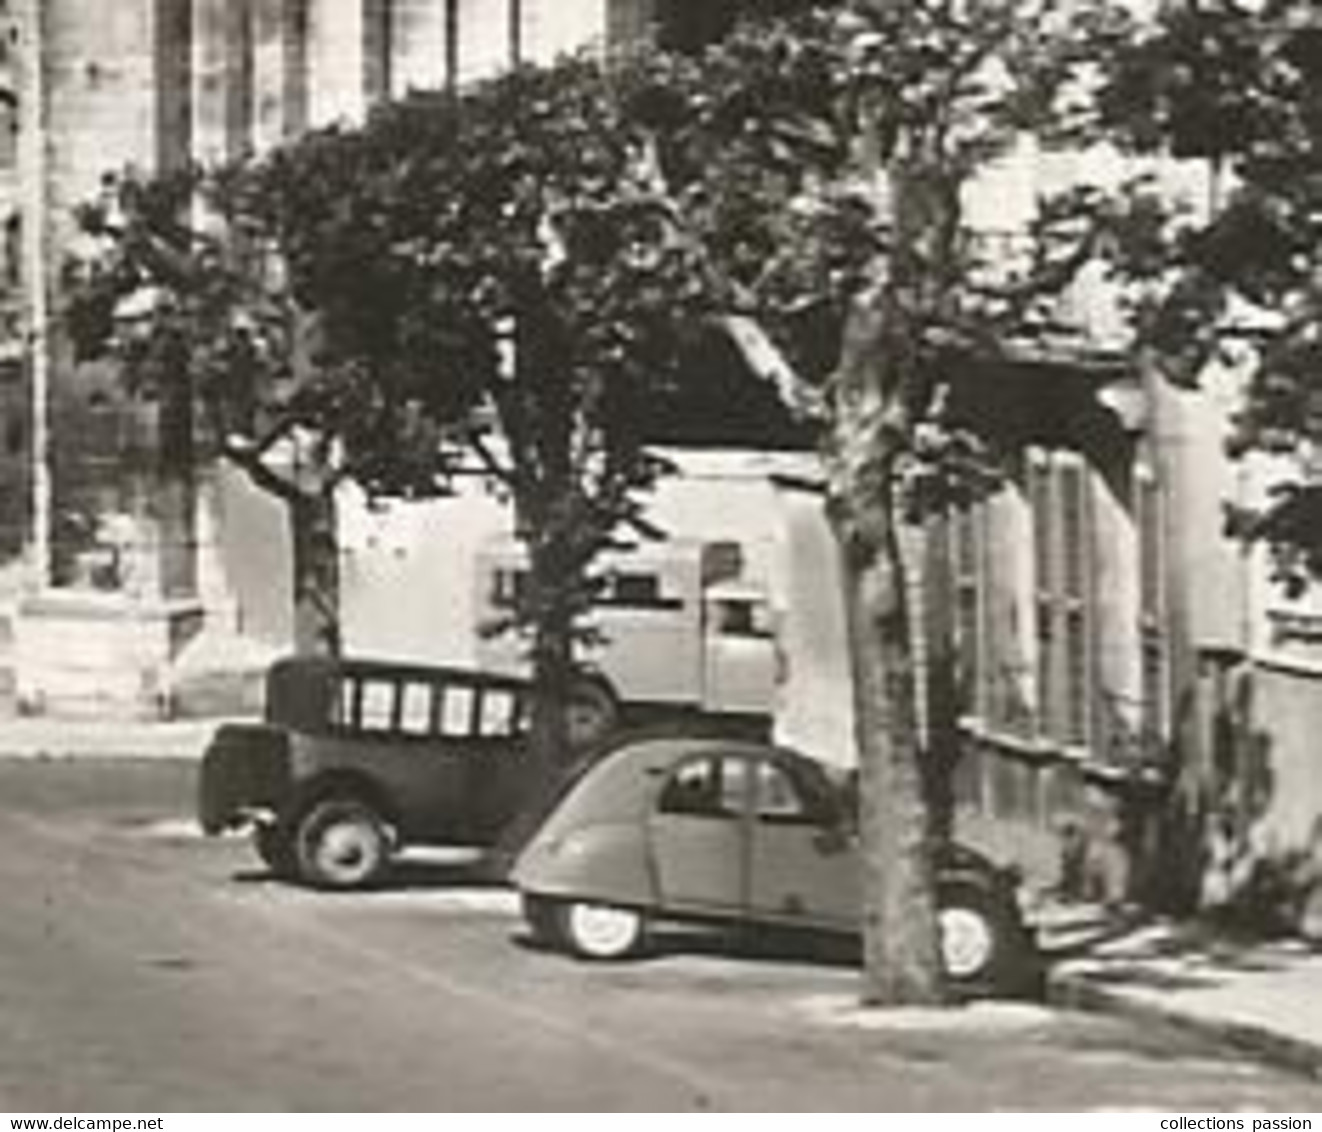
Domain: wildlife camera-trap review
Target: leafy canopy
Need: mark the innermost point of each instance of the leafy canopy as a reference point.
(1238, 87)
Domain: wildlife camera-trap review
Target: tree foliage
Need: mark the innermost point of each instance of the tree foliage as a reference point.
(1238, 87)
(481, 275)
(784, 148)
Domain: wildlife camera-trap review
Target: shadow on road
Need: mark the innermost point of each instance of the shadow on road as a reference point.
(405, 875)
(739, 942)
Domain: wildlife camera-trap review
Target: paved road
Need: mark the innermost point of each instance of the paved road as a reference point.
(143, 968)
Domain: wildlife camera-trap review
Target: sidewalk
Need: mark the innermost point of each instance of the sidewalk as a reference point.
(1263, 996)
(39, 737)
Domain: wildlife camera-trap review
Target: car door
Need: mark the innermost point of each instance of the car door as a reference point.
(804, 861)
(698, 834)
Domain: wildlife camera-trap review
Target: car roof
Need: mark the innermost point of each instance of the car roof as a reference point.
(614, 785)
(660, 750)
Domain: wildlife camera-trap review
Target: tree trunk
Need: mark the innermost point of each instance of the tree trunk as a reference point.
(552, 659)
(316, 569)
(940, 691)
(901, 963)
(900, 955)
(552, 675)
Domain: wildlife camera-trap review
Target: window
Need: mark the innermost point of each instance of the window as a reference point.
(415, 708)
(499, 713)
(707, 787)
(634, 589)
(457, 711)
(966, 562)
(740, 617)
(422, 707)
(379, 18)
(779, 799)
(1044, 580)
(1152, 639)
(347, 707)
(509, 588)
(1074, 604)
(1059, 489)
(367, 705)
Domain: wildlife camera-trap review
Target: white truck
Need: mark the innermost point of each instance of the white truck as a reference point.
(678, 625)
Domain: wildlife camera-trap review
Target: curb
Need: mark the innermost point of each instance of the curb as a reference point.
(23, 740)
(1079, 992)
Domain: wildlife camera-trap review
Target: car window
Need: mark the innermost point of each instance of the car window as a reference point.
(415, 708)
(377, 708)
(457, 711)
(500, 713)
(713, 786)
(740, 617)
(778, 798)
(786, 796)
(427, 707)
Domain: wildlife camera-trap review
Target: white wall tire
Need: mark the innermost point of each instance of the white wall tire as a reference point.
(984, 947)
(342, 844)
(968, 942)
(601, 932)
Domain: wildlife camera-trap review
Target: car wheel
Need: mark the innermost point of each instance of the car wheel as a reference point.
(342, 844)
(275, 848)
(591, 713)
(600, 931)
(983, 943)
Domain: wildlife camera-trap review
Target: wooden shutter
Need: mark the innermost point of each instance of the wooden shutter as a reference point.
(1153, 654)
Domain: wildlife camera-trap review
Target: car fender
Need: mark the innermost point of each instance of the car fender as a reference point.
(340, 782)
(603, 862)
(245, 768)
(1000, 884)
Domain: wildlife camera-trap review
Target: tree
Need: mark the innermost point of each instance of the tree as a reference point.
(179, 286)
(1238, 87)
(824, 163)
(480, 273)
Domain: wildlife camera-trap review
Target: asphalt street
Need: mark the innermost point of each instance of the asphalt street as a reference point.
(144, 968)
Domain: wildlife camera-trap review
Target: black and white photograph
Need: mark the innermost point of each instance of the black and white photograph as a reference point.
(660, 556)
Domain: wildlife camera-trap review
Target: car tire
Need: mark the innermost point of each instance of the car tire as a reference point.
(591, 714)
(342, 844)
(985, 949)
(275, 848)
(599, 932)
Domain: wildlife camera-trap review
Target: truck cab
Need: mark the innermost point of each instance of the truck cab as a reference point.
(677, 624)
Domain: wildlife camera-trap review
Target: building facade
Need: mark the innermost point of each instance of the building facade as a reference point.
(122, 557)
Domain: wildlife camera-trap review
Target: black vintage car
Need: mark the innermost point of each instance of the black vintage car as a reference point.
(357, 759)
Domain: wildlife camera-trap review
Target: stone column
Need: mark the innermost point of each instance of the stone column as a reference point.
(103, 622)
